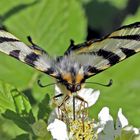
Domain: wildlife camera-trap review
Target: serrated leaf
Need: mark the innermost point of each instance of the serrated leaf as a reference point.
(6, 99)
(12, 99)
(15, 106)
(51, 24)
(21, 102)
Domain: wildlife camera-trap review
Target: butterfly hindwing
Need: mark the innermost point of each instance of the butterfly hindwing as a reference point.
(102, 53)
(31, 55)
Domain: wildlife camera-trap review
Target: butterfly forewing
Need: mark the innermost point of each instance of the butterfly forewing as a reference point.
(103, 53)
(96, 55)
(31, 55)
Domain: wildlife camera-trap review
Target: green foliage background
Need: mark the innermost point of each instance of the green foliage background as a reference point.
(52, 24)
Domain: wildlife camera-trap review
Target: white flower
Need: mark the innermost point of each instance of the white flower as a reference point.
(58, 130)
(55, 125)
(106, 125)
(105, 119)
(103, 129)
(107, 130)
(89, 95)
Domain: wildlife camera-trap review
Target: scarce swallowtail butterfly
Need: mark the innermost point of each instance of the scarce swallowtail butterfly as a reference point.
(80, 61)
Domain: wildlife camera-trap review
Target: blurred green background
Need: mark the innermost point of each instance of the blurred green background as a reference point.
(51, 24)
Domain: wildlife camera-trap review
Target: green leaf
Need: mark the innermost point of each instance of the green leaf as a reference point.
(18, 120)
(21, 102)
(15, 106)
(44, 108)
(8, 129)
(12, 99)
(40, 128)
(6, 99)
(22, 137)
(51, 24)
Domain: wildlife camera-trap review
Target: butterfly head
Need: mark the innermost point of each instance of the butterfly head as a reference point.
(71, 82)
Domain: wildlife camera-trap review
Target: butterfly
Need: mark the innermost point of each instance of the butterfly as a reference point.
(80, 61)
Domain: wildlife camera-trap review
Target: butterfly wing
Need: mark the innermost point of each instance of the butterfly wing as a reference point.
(31, 55)
(103, 53)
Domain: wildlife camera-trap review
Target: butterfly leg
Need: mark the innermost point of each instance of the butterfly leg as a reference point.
(84, 105)
(74, 107)
(64, 107)
(55, 101)
(59, 95)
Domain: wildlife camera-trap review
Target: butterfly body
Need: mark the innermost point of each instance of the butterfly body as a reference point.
(71, 74)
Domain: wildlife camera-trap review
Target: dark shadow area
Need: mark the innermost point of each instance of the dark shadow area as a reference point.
(29, 94)
(92, 33)
(131, 9)
(103, 17)
(44, 108)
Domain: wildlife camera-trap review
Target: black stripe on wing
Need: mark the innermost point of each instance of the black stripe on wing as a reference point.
(127, 37)
(6, 39)
(15, 53)
(93, 69)
(31, 59)
(110, 56)
(51, 71)
(128, 52)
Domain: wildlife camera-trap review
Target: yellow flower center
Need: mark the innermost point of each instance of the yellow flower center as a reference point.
(82, 130)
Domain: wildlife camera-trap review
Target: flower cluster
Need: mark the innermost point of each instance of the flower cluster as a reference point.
(88, 129)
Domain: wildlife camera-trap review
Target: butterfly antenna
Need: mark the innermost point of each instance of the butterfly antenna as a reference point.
(41, 85)
(105, 85)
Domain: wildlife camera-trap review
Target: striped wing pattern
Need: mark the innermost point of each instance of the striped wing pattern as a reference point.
(103, 53)
(31, 55)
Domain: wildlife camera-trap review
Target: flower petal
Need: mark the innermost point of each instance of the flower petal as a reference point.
(121, 120)
(58, 130)
(57, 90)
(104, 115)
(106, 125)
(90, 95)
(135, 130)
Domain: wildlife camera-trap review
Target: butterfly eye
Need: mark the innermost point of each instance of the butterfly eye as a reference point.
(78, 87)
(69, 87)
